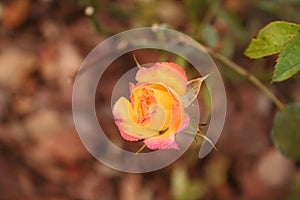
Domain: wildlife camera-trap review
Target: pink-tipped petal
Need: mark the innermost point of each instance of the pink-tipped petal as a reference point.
(164, 73)
(167, 141)
(175, 67)
(161, 142)
(128, 137)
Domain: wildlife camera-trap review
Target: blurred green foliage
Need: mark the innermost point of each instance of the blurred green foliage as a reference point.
(295, 191)
(286, 131)
(189, 188)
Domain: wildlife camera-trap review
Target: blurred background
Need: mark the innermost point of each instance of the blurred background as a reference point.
(43, 43)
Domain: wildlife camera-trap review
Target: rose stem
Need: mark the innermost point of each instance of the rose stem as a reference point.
(247, 75)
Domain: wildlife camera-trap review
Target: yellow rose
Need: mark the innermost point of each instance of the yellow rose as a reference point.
(155, 112)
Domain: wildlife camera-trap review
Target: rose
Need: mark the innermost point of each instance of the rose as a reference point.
(155, 113)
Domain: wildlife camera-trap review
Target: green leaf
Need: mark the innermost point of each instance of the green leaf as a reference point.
(286, 131)
(271, 39)
(288, 62)
(193, 88)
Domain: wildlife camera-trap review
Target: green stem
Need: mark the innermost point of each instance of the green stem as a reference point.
(247, 75)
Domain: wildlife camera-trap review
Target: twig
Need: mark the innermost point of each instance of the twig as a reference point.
(247, 75)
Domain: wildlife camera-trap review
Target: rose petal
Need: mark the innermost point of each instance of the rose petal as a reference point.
(169, 74)
(184, 123)
(175, 67)
(167, 140)
(158, 118)
(164, 97)
(176, 117)
(161, 142)
(122, 113)
(128, 137)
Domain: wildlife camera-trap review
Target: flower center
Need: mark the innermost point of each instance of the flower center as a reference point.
(145, 100)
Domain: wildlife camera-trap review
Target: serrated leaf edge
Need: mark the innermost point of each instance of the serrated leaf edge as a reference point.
(246, 52)
(276, 67)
